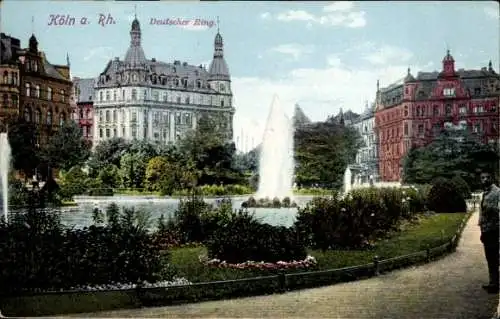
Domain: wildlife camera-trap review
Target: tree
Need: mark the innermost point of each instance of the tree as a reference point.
(109, 176)
(210, 151)
(25, 153)
(132, 170)
(108, 152)
(156, 168)
(451, 154)
(67, 147)
(322, 152)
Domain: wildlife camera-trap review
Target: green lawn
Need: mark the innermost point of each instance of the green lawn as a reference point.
(430, 231)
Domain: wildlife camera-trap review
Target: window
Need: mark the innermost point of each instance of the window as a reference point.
(222, 103)
(145, 94)
(463, 125)
(101, 96)
(406, 129)
(134, 117)
(134, 94)
(5, 77)
(5, 101)
(198, 84)
(165, 97)
(108, 96)
(178, 118)
(156, 96)
(14, 101)
(222, 87)
(477, 127)
(436, 110)
(108, 116)
(14, 78)
(134, 77)
(478, 109)
(27, 114)
(449, 92)
(49, 93)
(448, 109)
(114, 95)
(115, 118)
(49, 118)
(184, 82)
(35, 66)
(63, 95)
(134, 132)
(176, 82)
(100, 132)
(123, 131)
(462, 109)
(420, 129)
(107, 132)
(187, 119)
(477, 91)
(187, 100)
(101, 116)
(123, 94)
(178, 99)
(61, 119)
(28, 89)
(37, 91)
(38, 116)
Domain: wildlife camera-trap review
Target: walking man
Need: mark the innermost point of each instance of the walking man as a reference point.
(489, 223)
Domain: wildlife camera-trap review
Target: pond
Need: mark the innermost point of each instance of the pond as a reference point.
(81, 215)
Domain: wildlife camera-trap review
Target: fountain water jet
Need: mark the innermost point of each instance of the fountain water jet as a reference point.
(4, 173)
(276, 163)
(347, 180)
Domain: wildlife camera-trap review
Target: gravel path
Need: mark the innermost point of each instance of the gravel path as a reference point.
(448, 288)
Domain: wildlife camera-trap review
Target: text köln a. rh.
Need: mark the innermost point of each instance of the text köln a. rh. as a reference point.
(67, 20)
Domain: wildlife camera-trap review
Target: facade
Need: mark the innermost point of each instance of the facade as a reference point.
(366, 165)
(45, 91)
(9, 81)
(413, 111)
(83, 106)
(157, 101)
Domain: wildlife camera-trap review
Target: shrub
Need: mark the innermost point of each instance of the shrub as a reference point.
(244, 238)
(39, 253)
(353, 221)
(461, 186)
(444, 197)
(188, 219)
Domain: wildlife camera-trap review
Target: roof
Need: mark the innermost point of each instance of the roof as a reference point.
(85, 89)
(50, 70)
(135, 59)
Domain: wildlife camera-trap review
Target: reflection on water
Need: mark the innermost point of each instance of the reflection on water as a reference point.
(81, 216)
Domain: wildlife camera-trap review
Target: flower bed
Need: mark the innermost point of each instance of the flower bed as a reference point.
(308, 262)
(121, 286)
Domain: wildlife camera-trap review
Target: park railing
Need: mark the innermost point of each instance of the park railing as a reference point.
(61, 302)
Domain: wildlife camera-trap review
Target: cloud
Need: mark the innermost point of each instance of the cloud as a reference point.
(387, 54)
(338, 13)
(294, 50)
(492, 12)
(99, 53)
(319, 91)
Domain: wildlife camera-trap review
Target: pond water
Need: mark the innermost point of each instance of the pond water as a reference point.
(81, 215)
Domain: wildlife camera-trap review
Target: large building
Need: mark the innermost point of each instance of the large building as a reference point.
(366, 165)
(146, 99)
(33, 88)
(83, 106)
(9, 81)
(413, 111)
(45, 91)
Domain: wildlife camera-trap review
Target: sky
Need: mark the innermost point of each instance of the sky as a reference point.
(322, 55)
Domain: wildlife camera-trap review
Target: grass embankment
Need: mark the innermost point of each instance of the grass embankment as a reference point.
(430, 231)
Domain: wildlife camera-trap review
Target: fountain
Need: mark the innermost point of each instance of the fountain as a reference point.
(347, 180)
(4, 173)
(276, 163)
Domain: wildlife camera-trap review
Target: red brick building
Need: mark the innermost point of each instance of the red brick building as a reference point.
(413, 111)
(83, 105)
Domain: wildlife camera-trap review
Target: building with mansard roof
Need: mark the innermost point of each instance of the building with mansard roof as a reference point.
(146, 99)
(414, 111)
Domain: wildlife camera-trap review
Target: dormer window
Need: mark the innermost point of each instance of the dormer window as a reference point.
(184, 82)
(222, 88)
(198, 84)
